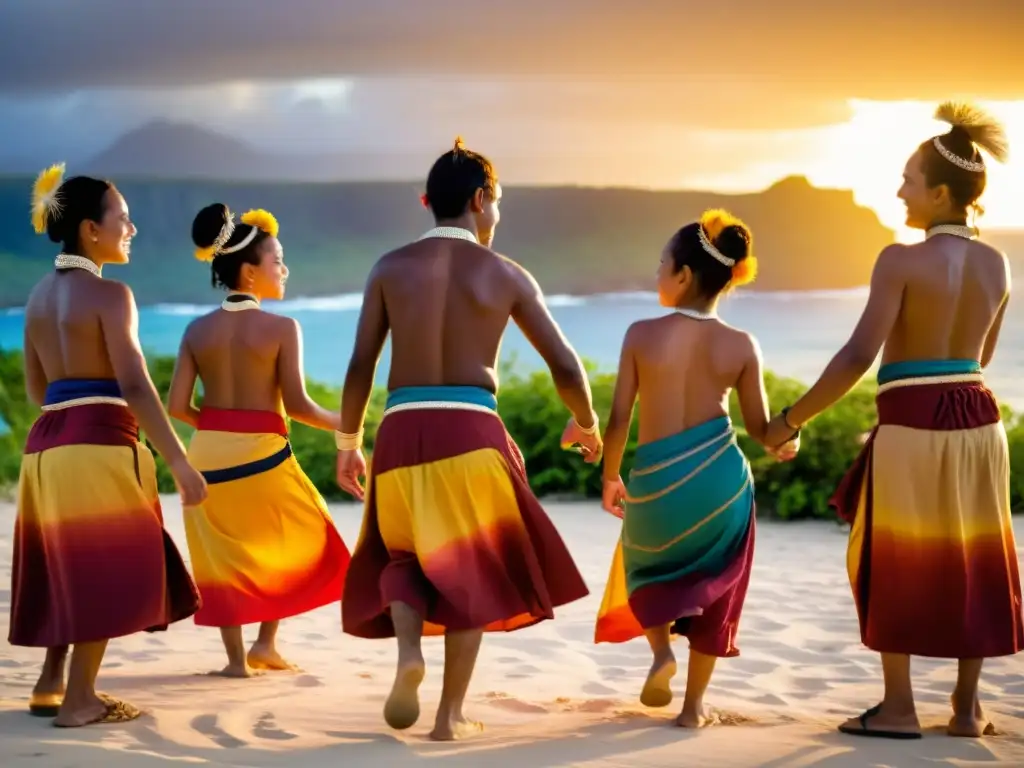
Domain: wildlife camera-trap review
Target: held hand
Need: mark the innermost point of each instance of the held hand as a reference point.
(589, 446)
(787, 451)
(351, 468)
(191, 484)
(613, 497)
(779, 433)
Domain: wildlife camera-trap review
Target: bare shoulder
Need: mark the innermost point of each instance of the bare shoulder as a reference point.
(38, 293)
(115, 296)
(640, 332)
(740, 342)
(896, 256)
(282, 326)
(516, 274)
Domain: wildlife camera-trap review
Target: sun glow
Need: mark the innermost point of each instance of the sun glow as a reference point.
(868, 152)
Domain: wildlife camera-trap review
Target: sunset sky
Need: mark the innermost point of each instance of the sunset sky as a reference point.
(667, 93)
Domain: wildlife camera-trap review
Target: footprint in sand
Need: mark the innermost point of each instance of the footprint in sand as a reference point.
(266, 728)
(596, 689)
(511, 704)
(308, 681)
(207, 725)
(614, 673)
(524, 670)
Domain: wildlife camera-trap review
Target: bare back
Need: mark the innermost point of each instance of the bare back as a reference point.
(237, 357)
(448, 303)
(63, 326)
(685, 369)
(954, 293)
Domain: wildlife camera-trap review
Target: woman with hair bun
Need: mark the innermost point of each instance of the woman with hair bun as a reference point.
(92, 560)
(932, 559)
(263, 544)
(683, 561)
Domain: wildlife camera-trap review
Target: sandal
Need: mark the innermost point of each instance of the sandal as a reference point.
(865, 730)
(117, 711)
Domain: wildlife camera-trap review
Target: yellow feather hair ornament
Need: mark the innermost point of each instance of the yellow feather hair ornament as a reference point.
(714, 222)
(206, 254)
(261, 219)
(45, 201)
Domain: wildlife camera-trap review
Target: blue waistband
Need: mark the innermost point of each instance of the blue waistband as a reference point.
(681, 442)
(62, 390)
(444, 394)
(912, 369)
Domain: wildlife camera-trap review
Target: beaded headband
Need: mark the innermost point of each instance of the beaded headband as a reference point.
(955, 159)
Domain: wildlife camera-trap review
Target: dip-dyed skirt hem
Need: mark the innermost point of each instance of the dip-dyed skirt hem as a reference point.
(687, 543)
(451, 526)
(92, 560)
(263, 544)
(932, 559)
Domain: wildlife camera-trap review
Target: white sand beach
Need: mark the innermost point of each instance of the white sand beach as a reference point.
(547, 695)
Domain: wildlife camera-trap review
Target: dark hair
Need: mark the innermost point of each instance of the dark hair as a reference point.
(970, 129)
(454, 179)
(730, 237)
(225, 268)
(80, 198)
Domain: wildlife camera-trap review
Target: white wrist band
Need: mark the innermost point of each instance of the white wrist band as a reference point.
(348, 442)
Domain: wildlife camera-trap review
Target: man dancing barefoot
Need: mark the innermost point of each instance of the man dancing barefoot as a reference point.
(453, 541)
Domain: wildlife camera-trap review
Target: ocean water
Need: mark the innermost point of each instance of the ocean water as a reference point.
(798, 331)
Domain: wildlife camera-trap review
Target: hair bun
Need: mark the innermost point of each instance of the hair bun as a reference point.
(970, 122)
(208, 223)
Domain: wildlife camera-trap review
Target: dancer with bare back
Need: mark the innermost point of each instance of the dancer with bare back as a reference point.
(683, 561)
(92, 560)
(932, 559)
(263, 544)
(453, 541)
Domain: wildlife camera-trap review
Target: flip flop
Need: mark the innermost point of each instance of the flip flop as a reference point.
(864, 730)
(117, 711)
(45, 705)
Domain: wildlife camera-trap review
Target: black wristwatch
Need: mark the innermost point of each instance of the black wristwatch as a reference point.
(785, 420)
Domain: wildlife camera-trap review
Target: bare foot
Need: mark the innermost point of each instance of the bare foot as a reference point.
(971, 725)
(261, 657)
(696, 717)
(455, 729)
(236, 670)
(657, 691)
(402, 708)
(98, 709)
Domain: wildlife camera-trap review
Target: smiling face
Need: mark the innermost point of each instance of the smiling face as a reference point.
(109, 240)
(925, 205)
(267, 279)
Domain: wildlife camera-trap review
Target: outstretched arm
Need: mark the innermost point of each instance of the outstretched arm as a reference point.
(856, 357)
(183, 386)
(297, 401)
(531, 315)
(371, 333)
(616, 434)
(752, 395)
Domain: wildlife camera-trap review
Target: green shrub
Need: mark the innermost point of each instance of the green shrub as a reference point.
(535, 417)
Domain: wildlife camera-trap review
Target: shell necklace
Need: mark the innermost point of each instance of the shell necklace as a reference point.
(695, 314)
(956, 230)
(239, 302)
(453, 233)
(70, 261)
